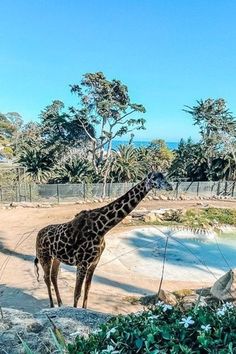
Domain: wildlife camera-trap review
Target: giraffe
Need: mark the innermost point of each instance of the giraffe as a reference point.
(80, 242)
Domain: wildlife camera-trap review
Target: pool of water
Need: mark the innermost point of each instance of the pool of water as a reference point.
(189, 256)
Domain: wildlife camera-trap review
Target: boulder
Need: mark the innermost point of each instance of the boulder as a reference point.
(190, 301)
(167, 297)
(127, 220)
(34, 329)
(150, 217)
(225, 287)
(163, 197)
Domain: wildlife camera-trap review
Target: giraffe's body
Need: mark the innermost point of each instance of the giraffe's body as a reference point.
(80, 242)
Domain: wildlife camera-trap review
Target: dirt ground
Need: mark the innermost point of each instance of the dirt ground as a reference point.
(113, 286)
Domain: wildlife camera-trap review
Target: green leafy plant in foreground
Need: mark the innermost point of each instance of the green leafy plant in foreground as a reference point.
(163, 329)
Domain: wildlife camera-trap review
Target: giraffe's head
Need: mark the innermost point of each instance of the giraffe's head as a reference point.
(158, 181)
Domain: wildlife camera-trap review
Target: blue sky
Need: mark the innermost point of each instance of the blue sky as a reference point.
(168, 52)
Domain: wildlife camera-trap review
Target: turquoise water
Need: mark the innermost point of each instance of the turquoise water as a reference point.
(171, 144)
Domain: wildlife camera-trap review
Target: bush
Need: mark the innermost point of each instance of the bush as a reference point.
(163, 329)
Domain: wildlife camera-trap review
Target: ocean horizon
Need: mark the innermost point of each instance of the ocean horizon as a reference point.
(172, 145)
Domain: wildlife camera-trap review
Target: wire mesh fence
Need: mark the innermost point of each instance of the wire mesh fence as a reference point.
(59, 193)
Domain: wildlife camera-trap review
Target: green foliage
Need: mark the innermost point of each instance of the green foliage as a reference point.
(163, 329)
(157, 156)
(73, 170)
(210, 217)
(214, 157)
(106, 105)
(202, 218)
(38, 163)
(190, 162)
(125, 166)
(62, 129)
(10, 124)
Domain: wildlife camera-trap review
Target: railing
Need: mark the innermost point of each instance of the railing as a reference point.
(59, 193)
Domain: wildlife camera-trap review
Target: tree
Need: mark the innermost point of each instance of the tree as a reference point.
(38, 163)
(106, 105)
(125, 166)
(189, 162)
(17, 123)
(217, 127)
(61, 128)
(156, 156)
(7, 130)
(74, 170)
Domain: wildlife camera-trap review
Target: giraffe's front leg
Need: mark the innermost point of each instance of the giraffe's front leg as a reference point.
(80, 275)
(88, 280)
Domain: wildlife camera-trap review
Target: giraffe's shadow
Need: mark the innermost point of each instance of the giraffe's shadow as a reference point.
(17, 298)
(9, 252)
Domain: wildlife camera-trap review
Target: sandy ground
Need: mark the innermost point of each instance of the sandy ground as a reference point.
(123, 272)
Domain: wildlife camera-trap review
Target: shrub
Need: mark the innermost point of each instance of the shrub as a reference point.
(163, 329)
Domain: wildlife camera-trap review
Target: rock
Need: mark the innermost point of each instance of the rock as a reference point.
(167, 297)
(150, 217)
(163, 197)
(156, 197)
(191, 300)
(79, 202)
(225, 287)
(127, 220)
(34, 329)
(183, 292)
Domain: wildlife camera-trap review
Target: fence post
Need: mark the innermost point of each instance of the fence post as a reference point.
(218, 188)
(177, 190)
(198, 188)
(84, 190)
(226, 185)
(1, 194)
(109, 190)
(30, 192)
(58, 194)
(16, 193)
(233, 187)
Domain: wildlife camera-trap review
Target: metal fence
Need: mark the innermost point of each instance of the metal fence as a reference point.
(59, 193)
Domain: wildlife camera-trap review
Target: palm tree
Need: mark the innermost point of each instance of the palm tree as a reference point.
(74, 170)
(38, 163)
(126, 167)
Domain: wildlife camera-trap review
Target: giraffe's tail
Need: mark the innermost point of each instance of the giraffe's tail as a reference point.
(36, 268)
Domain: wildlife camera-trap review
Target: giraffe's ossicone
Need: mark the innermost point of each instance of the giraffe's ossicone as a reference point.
(80, 242)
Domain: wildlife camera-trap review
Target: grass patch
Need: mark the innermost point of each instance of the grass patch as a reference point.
(207, 218)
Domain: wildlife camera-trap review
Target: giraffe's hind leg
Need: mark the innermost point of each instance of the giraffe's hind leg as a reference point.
(54, 274)
(46, 263)
(80, 275)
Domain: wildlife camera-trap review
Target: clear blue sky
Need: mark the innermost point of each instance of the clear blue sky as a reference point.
(168, 52)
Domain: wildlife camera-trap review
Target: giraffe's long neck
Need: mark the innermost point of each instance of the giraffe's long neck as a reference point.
(116, 211)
